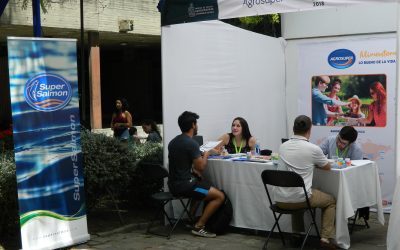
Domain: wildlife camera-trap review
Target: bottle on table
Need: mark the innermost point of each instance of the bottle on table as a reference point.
(257, 149)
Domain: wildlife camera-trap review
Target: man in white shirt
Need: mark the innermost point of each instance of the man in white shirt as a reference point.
(301, 156)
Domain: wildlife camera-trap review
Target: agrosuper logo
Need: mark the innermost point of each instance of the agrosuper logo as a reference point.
(341, 58)
(47, 92)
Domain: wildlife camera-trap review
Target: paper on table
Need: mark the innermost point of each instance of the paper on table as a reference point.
(359, 162)
(209, 145)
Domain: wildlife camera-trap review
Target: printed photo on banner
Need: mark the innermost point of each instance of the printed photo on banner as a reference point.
(349, 100)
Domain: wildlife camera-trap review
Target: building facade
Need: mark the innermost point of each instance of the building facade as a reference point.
(125, 37)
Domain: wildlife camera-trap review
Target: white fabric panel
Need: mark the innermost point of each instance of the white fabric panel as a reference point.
(220, 72)
(393, 240)
(360, 19)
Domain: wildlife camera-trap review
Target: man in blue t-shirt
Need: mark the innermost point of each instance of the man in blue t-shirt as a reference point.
(319, 100)
(185, 159)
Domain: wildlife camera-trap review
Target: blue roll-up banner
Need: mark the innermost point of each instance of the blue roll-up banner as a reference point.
(46, 126)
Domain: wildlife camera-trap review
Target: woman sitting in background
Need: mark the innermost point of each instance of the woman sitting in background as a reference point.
(151, 128)
(240, 139)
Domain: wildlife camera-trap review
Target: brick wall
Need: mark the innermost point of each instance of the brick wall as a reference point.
(101, 15)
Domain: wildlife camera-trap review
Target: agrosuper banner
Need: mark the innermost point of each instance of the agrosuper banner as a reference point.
(178, 11)
(46, 127)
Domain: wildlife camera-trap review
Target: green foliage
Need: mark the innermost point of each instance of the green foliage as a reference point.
(44, 4)
(254, 20)
(9, 218)
(356, 85)
(109, 166)
(141, 187)
(149, 152)
(265, 24)
(251, 20)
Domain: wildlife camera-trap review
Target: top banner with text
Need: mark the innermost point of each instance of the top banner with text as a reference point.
(180, 11)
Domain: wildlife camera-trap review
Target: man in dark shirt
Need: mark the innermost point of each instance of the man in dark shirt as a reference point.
(185, 158)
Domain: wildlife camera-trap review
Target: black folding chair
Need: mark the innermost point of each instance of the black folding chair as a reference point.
(286, 179)
(360, 213)
(157, 172)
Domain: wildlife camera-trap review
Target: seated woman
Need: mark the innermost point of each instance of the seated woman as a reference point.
(240, 139)
(355, 108)
(151, 128)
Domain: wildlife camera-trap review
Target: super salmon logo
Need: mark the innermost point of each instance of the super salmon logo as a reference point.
(341, 58)
(47, 92)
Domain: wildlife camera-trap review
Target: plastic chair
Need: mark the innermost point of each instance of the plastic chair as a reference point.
(157, 172)
(198, 139)
(286, 179)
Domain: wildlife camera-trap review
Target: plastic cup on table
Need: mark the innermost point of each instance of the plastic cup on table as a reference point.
(340, 163)
(248, 155)
(275, 158)
(335, 161)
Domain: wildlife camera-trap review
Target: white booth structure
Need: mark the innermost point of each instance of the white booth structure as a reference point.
(220, 72)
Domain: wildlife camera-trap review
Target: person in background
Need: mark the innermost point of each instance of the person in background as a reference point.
(343, 145)
(185, 156)
(355, 108)
(377, 109)
(301, 156)
(133, 136)
(239, 140)
(334, 110)
(121, 120)
(151, 128)
(319, 116)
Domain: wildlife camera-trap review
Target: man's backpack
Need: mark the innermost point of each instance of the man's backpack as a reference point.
(218, 223)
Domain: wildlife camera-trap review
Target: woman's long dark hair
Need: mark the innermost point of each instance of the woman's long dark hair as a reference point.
(153, 126)
(380, 91)
(245, 128)
(124, 107)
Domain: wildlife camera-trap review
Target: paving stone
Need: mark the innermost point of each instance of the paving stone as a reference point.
(373, 238)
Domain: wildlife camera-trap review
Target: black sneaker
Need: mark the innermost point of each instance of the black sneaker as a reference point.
(202, 232)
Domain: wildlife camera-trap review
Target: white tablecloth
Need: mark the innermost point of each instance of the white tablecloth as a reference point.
(243, 184)
(393, 239)
(353, 187)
